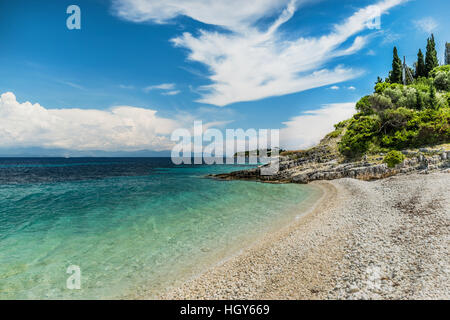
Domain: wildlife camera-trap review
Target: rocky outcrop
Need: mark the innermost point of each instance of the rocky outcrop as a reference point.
(320, 166)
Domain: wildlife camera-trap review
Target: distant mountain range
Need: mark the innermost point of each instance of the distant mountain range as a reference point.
(43, 152)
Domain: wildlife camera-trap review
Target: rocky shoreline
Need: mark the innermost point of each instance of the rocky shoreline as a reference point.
(320, 165)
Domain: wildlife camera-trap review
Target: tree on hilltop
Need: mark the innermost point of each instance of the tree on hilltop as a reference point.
(395, 76)
(431, 60)
(420, 65)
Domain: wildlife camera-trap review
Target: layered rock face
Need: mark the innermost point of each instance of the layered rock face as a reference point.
(319, 164)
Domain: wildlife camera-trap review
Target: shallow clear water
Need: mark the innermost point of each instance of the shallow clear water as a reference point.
(134, 226)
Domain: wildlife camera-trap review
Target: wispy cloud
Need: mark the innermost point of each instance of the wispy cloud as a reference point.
(71, 84)
(167, 89)
(352, 88)
(216, 12)
(427, 25)
(390, 37)
(334, 88)
(171, 93)
(248, 63)
(162, 86)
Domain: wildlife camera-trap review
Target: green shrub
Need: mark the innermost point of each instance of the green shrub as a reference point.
(397, 128)
(364, 106)
(433, 101)
(433, 127)
(444, 68)
(442, 81)
(393, 158)
(359, 135)
(397, 117)
(380, 102)
(399, 139)
(341, 124)
(394, 119)
(336, 133)
(446, 97)
(381, 86)
(422, 84)
(394, 93)
(420, 97)
(409, 98)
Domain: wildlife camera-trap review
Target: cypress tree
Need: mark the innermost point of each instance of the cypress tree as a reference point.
(433, 99)
(419, 100)
(396, 73)
(447, 53)
(431, 60)
(420, 65)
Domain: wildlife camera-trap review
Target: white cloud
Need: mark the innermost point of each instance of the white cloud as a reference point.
(71, 84)
(351, 88)
(249, 64)
(119, 128)
(162, 86)
(168, 89)
(232, 14)
(334, 88)
(310, 127)
(427, 25)
(390, 37)
(129, 128)
(171, 93)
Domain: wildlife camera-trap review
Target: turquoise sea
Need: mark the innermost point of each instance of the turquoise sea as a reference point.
(134, 226)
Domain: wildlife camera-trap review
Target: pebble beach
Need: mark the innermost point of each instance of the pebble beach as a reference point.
(384, 239)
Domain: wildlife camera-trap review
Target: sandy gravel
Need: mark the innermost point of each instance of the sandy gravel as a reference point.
(387, 239)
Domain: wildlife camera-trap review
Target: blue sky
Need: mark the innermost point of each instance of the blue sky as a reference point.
(229, 65)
